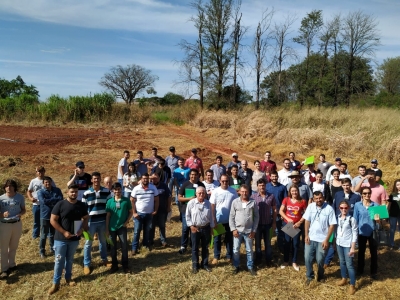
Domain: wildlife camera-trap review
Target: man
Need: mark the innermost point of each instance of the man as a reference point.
(69, 218)
(280, 192)
(96, 198)
(361, 173)
(123, 166)
(81, 179)
(181, 175)
(378, 172)
(164, 207)
(35, 185)
(268, 165)
(304, 189)
(294, 164)
(186, 193)
(144, 198)
(234, 162)
(210, 183)
(48, 198)
(119, 212)
(154, 155)
(162, 171)
(218, 168)
(266, 204)
(171, 162)
(243, 222)
(221, 202)
(246, 174)
(343, 171)
(309, 175)
(283, 175)
(323, 165)
(329, 177)
(194, 162)
(108, 183)
(379, 195)
(141, 163)
(320, 223)
(235, 181)
(199, 219)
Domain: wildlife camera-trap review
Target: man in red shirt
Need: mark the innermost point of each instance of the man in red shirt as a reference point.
(194, 162)
(268, 165)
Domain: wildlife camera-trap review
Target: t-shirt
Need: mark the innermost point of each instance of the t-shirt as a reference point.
(83, 182)
(181, 175)
(164, 173)
(324, 167)
(144, 198)
(268, 166)
(68, 213)
(296, 210)
(11, 204)
(320, 219)
(394, 210)
(134, 178)
(163, 194)
(190, 186)
(378, 193)
(118, 215)
(218, 171)
(210, 186)
(223, 202)
(172, 162)
(194, 163)
(124, 164)
(141, 168)
(35, 185)
(235, 181)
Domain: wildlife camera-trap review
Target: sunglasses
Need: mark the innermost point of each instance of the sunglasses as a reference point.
(366, 193)
(344, 207)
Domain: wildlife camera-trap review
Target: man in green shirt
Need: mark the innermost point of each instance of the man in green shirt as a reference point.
(119, 212)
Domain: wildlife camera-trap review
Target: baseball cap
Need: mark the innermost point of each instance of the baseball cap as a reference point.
(194, 150)
(338, 159)
(172, 148)
(374, 161)
(234, 154)
(80, 164)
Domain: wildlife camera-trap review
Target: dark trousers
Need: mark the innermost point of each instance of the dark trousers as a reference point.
(122, 235)
(185, 232)
(228, 240)
(159, 221)
(200, 238)
(373, 250)
(46, 230)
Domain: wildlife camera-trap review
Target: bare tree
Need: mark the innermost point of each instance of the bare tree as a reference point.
(126, 82)
(361, 38)
(260, 47)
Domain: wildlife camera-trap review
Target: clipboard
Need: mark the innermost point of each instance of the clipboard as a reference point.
(290, 230)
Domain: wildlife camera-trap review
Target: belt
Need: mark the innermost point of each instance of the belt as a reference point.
(201, 227)
(11, 222)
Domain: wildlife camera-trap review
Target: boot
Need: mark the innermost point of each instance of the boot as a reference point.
(54, 288)
(342, 282)
(352, 290)
(70, 282)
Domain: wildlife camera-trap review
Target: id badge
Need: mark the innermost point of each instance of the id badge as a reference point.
(244, 205)
(235, 181)
(340, 233)
(118, 205)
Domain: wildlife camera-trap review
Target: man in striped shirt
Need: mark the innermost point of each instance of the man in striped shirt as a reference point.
(96, 199)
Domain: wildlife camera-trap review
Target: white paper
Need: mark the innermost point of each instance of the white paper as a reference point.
(195, 185)
(77, 226)
(235, 181)
(290, 230)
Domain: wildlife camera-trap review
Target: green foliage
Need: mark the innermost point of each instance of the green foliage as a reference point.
(172, 99)
(388, 76)
(16, 88)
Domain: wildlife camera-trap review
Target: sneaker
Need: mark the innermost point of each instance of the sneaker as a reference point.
(295, 267)
(86, 270)
(182, 250)
(12, 269)
(54, 288)
(284, 266)
(4, 275)
(195, 270)
(70, 282)
(308, 281)
(214, 261)
(106, 263)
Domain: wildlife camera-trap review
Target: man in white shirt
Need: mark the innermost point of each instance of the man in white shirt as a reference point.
(123, 167)
(283, 175)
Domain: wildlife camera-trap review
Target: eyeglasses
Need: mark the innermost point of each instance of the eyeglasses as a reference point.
(366, 193)
(224, 180)
(346, 208)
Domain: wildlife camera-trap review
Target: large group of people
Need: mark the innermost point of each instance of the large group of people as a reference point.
(322, 210)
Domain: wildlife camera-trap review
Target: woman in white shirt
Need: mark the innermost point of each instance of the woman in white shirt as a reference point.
(130, 179)
(321, 186)
(346, 238)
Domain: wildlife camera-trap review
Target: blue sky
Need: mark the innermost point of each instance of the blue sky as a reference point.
(64, 47)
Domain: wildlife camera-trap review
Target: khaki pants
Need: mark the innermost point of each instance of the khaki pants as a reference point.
(10, 234)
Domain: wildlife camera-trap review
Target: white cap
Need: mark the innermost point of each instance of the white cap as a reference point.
(235, 154)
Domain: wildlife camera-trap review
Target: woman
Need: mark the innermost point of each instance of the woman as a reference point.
(346, 238)
(366, 227)
(320, 185)
(394, 211)
(12, 207)
(257, 174)
(130, 179)
(291, 211)
(335, 185)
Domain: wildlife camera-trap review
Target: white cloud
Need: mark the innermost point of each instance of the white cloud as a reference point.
(56, 50)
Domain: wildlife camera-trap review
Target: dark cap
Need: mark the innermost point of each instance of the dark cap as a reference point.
(194, 150)
(172, 148)
(338, 159)
(80, 164)
(374, 161)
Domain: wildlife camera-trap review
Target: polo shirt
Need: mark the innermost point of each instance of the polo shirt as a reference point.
(194, 163)
(320, 219)
(222, 199)
(279, 191)
(96, 203)
(144, 198)
(118, 216)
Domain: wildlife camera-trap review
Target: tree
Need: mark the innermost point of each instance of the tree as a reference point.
(126, 82)
(388, 75)
(16, 88)
(361, 38)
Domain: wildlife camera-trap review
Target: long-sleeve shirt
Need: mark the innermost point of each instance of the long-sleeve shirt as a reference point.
(199, 214)
(244, 216)
(265, 204)
(47, 200)
(361, 214)
(347, 231)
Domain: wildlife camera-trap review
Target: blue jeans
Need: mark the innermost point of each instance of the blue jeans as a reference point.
(228, 240)
(121, 181)
(280, 235)
(185, 232)
(249, 249)
(144, 222)
(200, 238)
(393, 226)
(36, 221)
(46, 229)
(289, 241)
(64, 257)
(159, 221)
(311, 252)
(330, 254)
(122, 235)
(263, 233)
(100, 228)
(346, 264)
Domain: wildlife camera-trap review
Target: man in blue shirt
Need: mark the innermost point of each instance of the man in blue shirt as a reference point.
(180, 175)
(171, 162)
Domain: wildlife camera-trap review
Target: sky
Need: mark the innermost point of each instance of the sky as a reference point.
(64, 47)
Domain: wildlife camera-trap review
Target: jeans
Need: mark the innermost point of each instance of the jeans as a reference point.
(144, 222)
(346, 264)
(311, 252)
(289, 241)
(249, 249)
(121, 181)
(46, 229)
(228, 240)
(373, 250)
(329, 255)
(64, 257)
(263, 233)
(122, 235)
(393, 226)
(159, 220)
(185, 232)
(200, 238)
(280, 235)
(36, 221)
(100, 228)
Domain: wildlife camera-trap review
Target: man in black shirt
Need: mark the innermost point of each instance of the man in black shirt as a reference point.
(163, 171)
(69, 218)
(80, 178)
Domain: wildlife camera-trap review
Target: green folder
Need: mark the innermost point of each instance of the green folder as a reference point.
(212, 242)
(381, 210)
(219, 229)
(235, 186)
(271, 232)
(109, 241)
(309, 160)
(331, 238)
(189, 193)
(87, 236)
